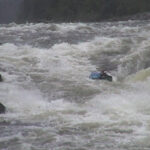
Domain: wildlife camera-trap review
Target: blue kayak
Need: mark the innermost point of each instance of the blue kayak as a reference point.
(95, 75)
(99, 76)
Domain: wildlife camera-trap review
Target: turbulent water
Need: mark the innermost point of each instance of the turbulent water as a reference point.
(51, 102)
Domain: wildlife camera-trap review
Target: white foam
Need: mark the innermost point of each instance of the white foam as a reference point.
(120, 105)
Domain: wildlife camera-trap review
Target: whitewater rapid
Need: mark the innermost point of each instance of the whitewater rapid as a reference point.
(51, 102)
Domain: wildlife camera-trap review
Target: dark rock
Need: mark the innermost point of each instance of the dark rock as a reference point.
(2, 108)
(1, 79)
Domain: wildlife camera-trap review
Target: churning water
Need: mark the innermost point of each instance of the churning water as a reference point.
(51, 102)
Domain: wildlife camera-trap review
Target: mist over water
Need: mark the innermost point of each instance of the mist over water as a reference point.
(51, 102)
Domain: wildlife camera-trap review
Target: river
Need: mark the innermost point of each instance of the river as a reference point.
(51, 102)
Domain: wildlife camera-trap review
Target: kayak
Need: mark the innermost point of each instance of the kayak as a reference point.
(99, 76)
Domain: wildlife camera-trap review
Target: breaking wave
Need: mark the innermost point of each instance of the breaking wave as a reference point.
(51, 102)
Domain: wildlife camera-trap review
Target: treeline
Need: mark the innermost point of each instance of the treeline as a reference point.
(79, 10)
(10, 10)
